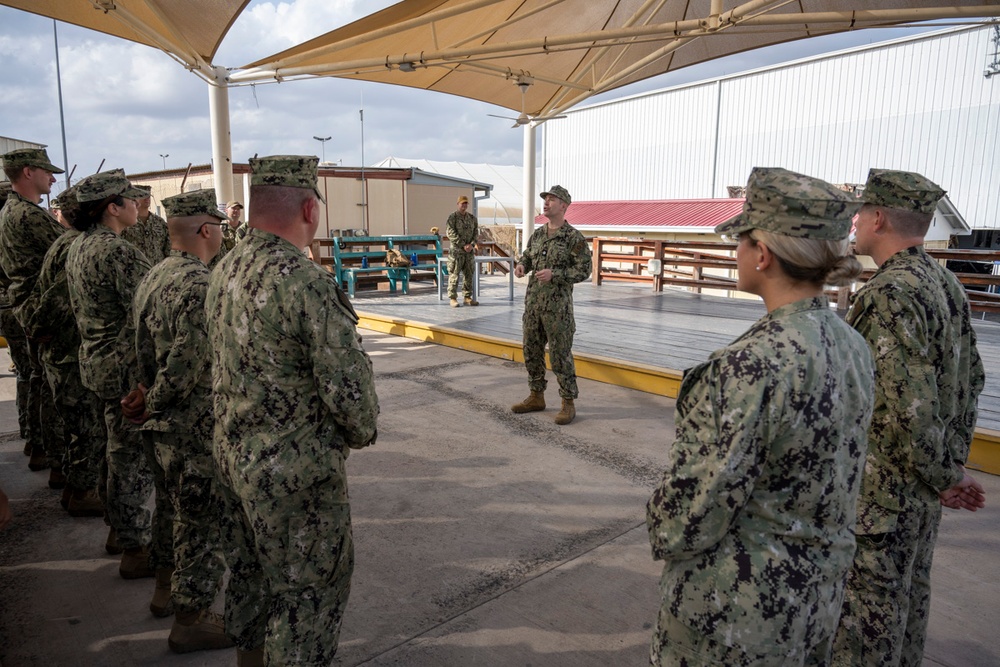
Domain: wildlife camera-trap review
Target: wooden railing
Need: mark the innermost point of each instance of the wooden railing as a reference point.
(684, 263)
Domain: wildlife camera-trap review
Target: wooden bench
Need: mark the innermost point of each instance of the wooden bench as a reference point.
(358, 260)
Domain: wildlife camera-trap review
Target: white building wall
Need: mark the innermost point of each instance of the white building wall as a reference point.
(919, 104)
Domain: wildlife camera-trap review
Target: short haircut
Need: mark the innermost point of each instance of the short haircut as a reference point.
(275, 201)
(13, 173)
(908, 223)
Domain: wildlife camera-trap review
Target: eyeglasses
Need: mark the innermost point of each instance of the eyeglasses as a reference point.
(217, 224)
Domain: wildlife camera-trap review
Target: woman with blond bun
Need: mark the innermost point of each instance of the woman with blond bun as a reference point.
(754, 517)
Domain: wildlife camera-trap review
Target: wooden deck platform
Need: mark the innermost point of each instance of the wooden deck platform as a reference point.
(632, 329)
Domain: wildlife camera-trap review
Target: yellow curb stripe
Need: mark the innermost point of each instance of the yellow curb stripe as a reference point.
(984, 454)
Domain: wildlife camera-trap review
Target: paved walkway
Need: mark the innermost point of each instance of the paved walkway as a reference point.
(483, 537)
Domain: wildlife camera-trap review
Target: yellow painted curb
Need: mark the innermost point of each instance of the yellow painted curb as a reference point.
(984, 454)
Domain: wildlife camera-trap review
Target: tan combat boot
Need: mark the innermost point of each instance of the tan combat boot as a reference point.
(111, 544)
(38, 461)
(471, 302)
(567, 413)
(162, 604)
(85, 503)
(198, 631)
(135, 564)
(252, 658)
(534, 403)
(453, 302)
(57, 480)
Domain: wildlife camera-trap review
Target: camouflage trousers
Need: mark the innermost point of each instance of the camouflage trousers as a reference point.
(291, 560)
(45, 428)
(461, 265)
(676, 645)
(161, 544)
(541, 328)
(195, 511)
(85, 435)
(129, 481)
(17, 345)
(888, 597)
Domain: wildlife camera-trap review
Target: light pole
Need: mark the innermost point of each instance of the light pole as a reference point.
(322, 141)
(164, 156)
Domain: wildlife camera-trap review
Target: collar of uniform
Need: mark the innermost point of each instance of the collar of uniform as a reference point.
(261, 236)
(902, 255)
(802, 305)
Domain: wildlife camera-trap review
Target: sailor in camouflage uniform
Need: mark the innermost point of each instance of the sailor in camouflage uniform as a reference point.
(232, 233)
(293, 392)
(557, 257)
(463, 232)
(26, 232)
(234, 210)
(915, 316)
(150, 233)
(102, 272)
(81, 410)
(175, 408)
(17, 344)
(754, 518)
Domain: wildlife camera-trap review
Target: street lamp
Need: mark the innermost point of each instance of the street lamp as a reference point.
(322, 141)
(164, 156)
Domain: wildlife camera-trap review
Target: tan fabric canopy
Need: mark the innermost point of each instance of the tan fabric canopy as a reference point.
(567, 50)
(570, 50)
(190, 30)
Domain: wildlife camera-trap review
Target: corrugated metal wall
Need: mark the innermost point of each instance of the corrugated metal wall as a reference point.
(921, 104)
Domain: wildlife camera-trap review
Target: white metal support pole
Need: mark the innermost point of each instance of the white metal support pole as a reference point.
(528, 185)
(222, 146)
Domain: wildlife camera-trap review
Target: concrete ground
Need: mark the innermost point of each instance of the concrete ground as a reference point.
(483, 537)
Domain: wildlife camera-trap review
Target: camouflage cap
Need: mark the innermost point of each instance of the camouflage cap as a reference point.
(196, 202)
(234, 204)
(559, 192)
(905, 190)
(148, 189)
(792, 204)
(30, 157)
(66, 200)
(293, 171)
(107, 184)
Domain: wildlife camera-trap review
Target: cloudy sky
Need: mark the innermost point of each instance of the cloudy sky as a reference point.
(129, 104)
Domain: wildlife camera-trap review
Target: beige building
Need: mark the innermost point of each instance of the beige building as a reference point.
(372, 201)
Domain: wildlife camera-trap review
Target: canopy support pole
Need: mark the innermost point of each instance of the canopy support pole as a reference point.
(222, 146)
(528, 185)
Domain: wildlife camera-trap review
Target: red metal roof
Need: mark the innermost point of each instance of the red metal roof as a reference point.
(651, 215)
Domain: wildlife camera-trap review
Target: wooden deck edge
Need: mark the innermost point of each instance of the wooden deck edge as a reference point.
(984, 454)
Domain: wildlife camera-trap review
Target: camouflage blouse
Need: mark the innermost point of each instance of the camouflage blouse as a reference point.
(915, 316)
(103, 272)
(293, 388)
(754, 517)
(151, 237)
(26, 232)
(566, 252)
(171, 343)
